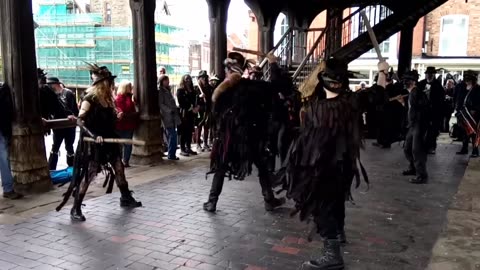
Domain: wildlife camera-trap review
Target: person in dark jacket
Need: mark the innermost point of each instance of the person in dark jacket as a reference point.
(471, 111)
(189, 109)
(170, 116)
(6, 112)
(50, 106)
(69, 109)
(449, 105)
(204, 93)
(436, 95)
(415, 145)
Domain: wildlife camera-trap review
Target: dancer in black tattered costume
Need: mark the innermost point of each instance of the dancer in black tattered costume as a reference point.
(98, 117)
(241, 112)
(322, 161)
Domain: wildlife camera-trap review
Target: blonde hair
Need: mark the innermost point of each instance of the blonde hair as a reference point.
(123, 87)
(103, 92)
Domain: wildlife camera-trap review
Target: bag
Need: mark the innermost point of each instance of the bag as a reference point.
(62, 176)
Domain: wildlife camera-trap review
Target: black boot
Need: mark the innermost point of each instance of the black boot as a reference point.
(463, 151)
(210, 206)
(474, 152)
(342, 237)
(52, 161)
(70, 159)
(271, 204)
(409, 172)
(331, 260)
(127, 199)
(76, 212)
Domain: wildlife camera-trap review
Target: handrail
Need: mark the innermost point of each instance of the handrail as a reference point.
(282, 39)
(317, 42)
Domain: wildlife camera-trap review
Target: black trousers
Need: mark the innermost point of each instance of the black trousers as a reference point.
(415, 151)
(186, 129)
(59, 136)
(330, 216)
(263, 176)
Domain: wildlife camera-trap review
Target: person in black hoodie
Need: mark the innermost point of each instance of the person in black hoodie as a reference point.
(471, 110)
(70, 110)
(6, 112)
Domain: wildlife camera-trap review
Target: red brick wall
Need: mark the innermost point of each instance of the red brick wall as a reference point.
(455, 7)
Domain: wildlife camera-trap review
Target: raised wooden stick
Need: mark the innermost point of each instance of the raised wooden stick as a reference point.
(248, 51)
(116, 140)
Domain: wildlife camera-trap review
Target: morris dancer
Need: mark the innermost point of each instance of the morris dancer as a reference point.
(99, 117)
(241, 111)
(322, 161)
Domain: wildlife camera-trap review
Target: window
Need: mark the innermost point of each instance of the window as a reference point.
(453, 35)
(108, 13)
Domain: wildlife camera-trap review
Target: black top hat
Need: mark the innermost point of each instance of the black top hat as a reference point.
(431, 70)
(335, 70)
(411, 75)
(53, 80)
(100, 73)
(41, 73)
(202, 73)
(470, 75)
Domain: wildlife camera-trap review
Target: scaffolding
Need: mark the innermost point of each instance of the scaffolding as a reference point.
(66, 40)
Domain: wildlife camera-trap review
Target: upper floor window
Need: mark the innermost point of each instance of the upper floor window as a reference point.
(453, 35)
(108, 13)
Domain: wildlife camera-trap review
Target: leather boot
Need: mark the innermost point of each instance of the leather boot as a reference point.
(52, 161)
(70, 159)
(271, 202)
(76, 212)
(474, 152)
(342, 237)
(210, 205)
(331, 260)
(127, 200)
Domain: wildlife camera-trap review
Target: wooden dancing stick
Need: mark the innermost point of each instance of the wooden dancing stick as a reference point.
(59, 123)
(116, 140)
(248, 51)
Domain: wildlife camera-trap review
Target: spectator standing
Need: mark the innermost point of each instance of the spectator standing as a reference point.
(127, 117)
(170, 116)
(6, 111)
(189, 109)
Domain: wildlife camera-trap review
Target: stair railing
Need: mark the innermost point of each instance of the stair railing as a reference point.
(318, 50)
(283, 50)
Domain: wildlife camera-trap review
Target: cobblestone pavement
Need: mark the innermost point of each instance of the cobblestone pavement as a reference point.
(392, 226)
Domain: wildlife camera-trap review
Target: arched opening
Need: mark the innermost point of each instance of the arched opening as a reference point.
(240, 26)
(320, 22)
(281, 27)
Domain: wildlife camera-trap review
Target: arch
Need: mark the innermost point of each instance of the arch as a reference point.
(281, 27)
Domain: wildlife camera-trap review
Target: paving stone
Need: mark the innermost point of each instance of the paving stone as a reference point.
(392, 226)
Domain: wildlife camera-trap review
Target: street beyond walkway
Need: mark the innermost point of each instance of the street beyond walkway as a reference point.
(393, 225)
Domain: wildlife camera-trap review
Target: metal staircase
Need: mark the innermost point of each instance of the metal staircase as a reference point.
(355, 40)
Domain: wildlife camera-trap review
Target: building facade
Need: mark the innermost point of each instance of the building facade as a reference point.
(68, 35)
(446, 38)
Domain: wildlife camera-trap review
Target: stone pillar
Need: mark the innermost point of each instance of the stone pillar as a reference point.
(405, 50)
(218, 13)
(27, 151)
(146, 93)
(266, 27)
